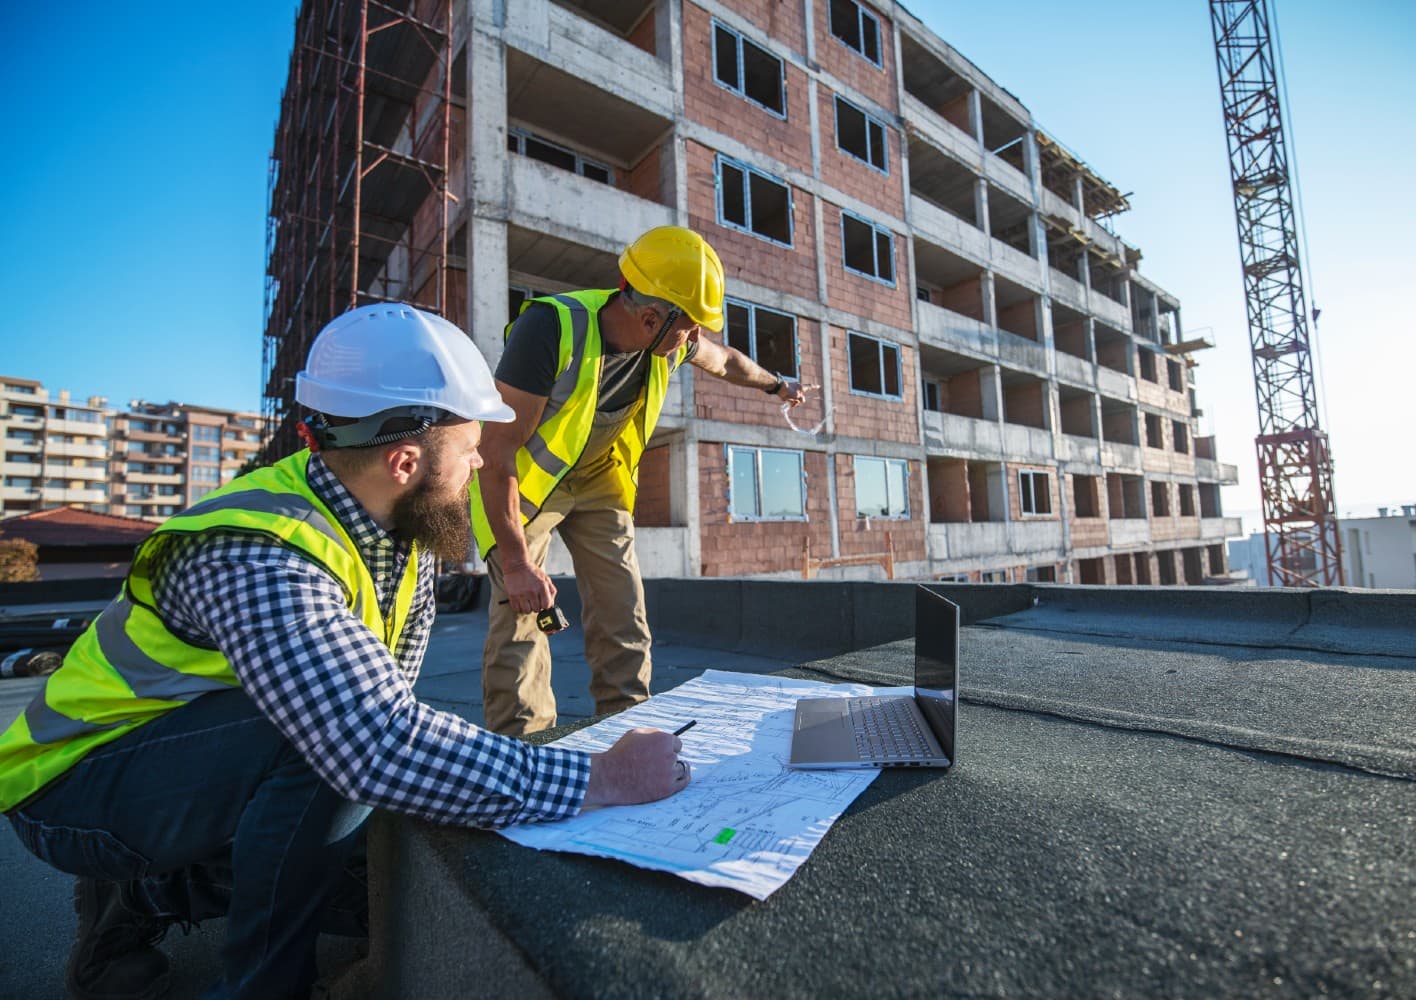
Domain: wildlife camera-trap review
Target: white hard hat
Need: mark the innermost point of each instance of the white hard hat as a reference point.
(390, 356)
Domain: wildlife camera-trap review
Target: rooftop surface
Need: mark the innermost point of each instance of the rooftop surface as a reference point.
(1160, 792)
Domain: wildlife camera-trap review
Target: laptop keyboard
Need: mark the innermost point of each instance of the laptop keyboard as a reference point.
(886, 729)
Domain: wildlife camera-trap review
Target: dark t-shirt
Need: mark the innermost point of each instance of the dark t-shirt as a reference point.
(533, 348)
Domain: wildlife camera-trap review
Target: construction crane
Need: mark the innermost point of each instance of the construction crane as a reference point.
(1295, 463)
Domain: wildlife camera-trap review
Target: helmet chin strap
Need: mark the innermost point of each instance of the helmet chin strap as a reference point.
(669, 321)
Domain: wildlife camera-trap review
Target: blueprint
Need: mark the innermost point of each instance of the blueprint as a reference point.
(746, 821)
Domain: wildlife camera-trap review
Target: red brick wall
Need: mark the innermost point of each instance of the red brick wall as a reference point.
(868, 416)
(708, 102)
(643, 33)
(1088, 532)
(791, 269)
(907, 536)
(718, 399)
(645, 180)
(855, 177)
(949, 491)
(1024, 404)
(849, 66)
(963, 395)
(965, 298)
(746, 547)
(859, 295)
(651, 505)
(781, 19)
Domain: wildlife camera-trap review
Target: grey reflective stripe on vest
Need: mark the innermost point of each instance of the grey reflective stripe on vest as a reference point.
(564, 386)
(48, 726)
(289, 505)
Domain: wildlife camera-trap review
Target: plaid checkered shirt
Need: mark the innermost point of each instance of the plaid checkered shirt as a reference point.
(332, 687)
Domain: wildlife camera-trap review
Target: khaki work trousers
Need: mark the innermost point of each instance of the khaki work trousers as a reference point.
(516, 661)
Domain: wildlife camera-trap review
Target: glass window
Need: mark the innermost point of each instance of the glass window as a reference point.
(857, 28)
(875, 366)
(1034, 495)
(882, 487)
(535, 147)
(748, 69)
(765, 335)
(766, 484)
(868, 249)
(753, 201)
(860, 135)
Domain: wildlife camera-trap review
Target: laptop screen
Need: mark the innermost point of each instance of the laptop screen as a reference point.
(936, 664)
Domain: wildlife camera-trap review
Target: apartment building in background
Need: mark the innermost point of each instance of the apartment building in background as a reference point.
(1004, 396)
(1377, 552)
(149, 461)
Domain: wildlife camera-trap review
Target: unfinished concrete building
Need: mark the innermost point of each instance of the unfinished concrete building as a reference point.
(1003, 395)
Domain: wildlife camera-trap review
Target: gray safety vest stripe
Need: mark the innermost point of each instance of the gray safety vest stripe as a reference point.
(49, 726)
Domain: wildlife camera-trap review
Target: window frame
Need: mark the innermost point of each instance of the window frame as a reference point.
(1028, 497)
(876, 232)
(862, 15)
(741, 89)
(881, 344)
(887, 463)
(752, 310)
(869, 121)
(757, 453)
(581, 161)
(747, 171)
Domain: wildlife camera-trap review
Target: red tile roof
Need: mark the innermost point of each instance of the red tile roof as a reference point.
(72, 527)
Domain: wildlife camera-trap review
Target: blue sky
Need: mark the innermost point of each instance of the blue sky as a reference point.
(134, 193)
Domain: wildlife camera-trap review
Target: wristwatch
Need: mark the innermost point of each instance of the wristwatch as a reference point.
(776, 388)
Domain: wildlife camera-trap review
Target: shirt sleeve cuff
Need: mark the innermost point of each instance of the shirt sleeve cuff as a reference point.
(558, 784)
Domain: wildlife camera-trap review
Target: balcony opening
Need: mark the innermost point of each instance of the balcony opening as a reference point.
(986, 491)
(1122, 567)
(1209, 500)
(1113, 348)
(1078, 411)
(1091, 571)
(1146, 365)
(1118, 422)
(948, 490)
(1108, 275)
(634, 22)
(1016, 308)
(1175, 375)
(1165, 566)
(934, 84)
(1010, 221)
(1160, 498)
(1069, 331)
(943, 181)
(1002, 133)
(1040, 574)
(1204, 447)
(1143, 312)
(562, 120)
(1024, 399)
(1180, 434)
(957, 381)
(1124, 497)
(1143, 569)
(1167, 323)
(1187, 499)
(541, 263)
(1217, 565)
(950, 281)
(1064, 250)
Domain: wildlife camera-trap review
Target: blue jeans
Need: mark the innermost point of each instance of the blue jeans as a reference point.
(208, 811)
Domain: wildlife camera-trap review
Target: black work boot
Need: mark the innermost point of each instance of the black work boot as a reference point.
(114, 955)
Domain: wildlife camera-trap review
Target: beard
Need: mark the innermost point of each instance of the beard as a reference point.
(439, 523)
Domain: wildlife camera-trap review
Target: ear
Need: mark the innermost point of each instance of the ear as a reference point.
(402, 461)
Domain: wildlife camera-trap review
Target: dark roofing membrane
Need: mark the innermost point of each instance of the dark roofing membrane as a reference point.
(1145, 805)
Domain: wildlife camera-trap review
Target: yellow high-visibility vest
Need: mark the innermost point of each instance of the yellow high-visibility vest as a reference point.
(128, 668)
(566, 422)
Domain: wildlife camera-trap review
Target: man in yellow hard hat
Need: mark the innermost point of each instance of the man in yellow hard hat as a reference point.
(585, 373)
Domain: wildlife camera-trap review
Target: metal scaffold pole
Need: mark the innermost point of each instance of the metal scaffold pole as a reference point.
(1295, 463)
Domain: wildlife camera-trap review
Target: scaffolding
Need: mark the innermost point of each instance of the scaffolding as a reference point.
(1295, 464)
(358, 180)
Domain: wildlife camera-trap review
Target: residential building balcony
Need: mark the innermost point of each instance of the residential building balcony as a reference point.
(1023, 539)
(1129, 532)
(948, 433)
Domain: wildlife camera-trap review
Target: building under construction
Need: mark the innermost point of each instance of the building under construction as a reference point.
(1003, 395)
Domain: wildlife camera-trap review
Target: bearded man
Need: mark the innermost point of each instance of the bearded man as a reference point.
(214, 742)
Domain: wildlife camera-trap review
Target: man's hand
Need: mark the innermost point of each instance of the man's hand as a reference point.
(794, 393)
(528, 588)
(642, 766)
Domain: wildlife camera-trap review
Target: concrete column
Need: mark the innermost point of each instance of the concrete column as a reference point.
(990, 306)
(976, 116)
(1078, 201)
(981, 206)
(990, 386)
(487, 189)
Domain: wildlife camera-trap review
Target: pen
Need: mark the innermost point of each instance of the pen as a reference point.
(685, 727)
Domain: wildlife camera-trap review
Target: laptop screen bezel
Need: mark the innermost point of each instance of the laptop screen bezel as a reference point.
(936, 665)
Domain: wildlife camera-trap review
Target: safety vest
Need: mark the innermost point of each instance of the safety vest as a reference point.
(127, 668)
(566, 422)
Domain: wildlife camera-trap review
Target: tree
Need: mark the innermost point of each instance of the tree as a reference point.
(19, 560)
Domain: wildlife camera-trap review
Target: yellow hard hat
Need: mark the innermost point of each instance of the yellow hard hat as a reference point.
(677, 265)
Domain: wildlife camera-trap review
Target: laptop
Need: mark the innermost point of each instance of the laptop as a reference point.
(896, 730)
